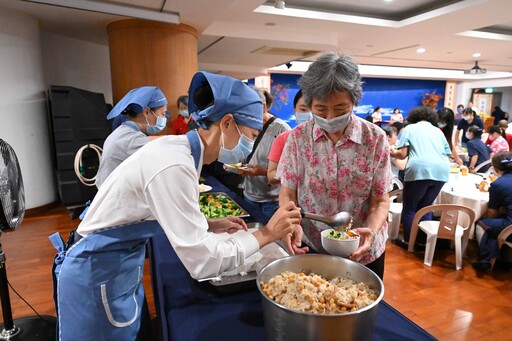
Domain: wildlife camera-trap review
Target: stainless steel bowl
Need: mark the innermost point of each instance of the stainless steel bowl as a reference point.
(283, 324)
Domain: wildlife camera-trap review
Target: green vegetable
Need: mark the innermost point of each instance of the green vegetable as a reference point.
(218, 206)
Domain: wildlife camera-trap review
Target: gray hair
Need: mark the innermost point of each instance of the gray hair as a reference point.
(331, 72)
(260, 92)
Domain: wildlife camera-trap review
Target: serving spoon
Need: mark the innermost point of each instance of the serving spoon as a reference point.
(339, 221)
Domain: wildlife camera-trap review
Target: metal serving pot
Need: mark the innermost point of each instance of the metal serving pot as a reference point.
(282, 323)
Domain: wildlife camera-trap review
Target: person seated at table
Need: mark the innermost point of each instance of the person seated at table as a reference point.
(446, 124)
(302, 114)
(469, 118)
(257, 189)
(157, 188)
(396, 164)
(496, 141)
(428, 167)
(478, 152)
(396, 116)
(179, 125)
(504, 125)
(145, 109)
(337, 162)
(500, 198)
(377, 115)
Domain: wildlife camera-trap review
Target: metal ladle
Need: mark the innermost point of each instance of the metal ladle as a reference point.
(339, 221)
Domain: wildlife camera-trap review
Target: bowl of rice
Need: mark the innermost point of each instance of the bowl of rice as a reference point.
(319, 297)
(339, 243)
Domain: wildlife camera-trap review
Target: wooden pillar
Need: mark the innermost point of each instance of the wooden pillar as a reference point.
(146, 52)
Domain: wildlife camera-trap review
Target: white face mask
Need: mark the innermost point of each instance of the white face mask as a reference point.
(302, 116)
(468, 135)
(333, 125)
(441, 125)
(467, 117)
(237, 154)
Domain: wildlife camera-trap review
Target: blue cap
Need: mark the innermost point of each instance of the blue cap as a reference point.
(230, 96)
(137, 99)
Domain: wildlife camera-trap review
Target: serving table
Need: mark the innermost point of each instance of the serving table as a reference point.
(190, 310)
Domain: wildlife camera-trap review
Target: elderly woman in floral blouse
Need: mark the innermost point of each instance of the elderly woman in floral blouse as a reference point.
(337, 162)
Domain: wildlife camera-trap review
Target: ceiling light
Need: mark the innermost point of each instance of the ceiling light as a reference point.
(279, 4)
(421, 50)
(123, 10)
(476, 54)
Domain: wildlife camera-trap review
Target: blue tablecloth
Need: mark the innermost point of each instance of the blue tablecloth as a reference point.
(188, 310)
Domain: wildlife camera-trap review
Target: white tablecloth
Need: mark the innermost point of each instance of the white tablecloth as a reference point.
(461, 190)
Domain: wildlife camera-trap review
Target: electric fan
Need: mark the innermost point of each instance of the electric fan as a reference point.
(12, 211)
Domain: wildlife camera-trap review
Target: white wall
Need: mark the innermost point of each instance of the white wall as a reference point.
(77, 63)
(23, 105)
(463, 91)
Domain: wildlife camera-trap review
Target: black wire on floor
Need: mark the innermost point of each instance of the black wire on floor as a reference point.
(10, 286)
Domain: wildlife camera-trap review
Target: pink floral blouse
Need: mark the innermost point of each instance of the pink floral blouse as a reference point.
(330, 178)
(499, 145)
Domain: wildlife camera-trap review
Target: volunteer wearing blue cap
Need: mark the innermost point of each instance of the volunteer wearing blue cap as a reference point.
(145, 109)
(99, 277)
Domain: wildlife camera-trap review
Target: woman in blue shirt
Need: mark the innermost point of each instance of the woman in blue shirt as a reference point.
(500, 197)
(428, 167)
(478, 152)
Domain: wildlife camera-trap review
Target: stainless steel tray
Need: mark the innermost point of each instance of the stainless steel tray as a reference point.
(230, 282)
(244, 214)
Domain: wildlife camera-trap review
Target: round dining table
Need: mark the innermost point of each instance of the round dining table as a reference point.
(462, 190)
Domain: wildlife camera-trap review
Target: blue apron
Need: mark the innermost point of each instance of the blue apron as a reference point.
(99, 291)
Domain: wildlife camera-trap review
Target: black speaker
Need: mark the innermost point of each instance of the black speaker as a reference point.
(77, 118)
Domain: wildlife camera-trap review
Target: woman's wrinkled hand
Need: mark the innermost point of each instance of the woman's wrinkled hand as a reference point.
(293, 241)
(365, 244)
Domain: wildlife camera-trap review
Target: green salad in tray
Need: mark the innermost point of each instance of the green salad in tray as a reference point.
(218, 205)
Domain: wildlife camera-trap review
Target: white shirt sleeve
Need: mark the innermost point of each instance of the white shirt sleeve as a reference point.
(172, 196)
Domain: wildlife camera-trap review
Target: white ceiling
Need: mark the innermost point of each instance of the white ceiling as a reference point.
(243, 38)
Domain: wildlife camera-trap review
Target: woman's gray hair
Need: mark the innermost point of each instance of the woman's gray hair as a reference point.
(260, 92)
(331, 72)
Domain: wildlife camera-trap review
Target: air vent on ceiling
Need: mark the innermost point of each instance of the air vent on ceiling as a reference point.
(282, 51)
(475, 70)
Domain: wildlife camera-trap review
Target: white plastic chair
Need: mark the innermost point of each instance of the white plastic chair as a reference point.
(395, 213)
(483, 164)
(446, 228)
(504, 245)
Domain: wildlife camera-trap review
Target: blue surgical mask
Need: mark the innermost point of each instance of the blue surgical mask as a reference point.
(334, 124)
(302, 117)
(158, 127)
(237, 154)
(184, 113)
(441, 125)
(460, 111)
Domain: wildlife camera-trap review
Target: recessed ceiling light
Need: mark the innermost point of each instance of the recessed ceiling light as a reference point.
(388, 0)
(476, 54)
(421, 50)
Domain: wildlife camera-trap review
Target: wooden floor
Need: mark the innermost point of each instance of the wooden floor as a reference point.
(450, 304)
